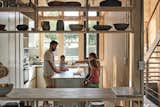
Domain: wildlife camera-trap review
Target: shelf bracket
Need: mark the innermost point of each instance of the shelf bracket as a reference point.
(141, 65)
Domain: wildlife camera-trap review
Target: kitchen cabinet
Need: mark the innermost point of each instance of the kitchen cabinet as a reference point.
(35, 79)
(69, 79)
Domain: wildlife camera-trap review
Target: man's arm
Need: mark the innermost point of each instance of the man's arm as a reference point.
(82, 61)
(53, 68)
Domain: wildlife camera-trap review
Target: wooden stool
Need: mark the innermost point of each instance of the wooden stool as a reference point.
(96, 104)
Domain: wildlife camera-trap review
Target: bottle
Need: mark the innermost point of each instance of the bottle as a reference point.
(60, 25)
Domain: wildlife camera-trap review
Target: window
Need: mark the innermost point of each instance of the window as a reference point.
(51, 13)
(69, 42)
(91, 40)
(71, 46)
(33, 41)
(91, 44)
(66, 24)
(92, 13)
(47, 39)
(53, 25)
(71, 13)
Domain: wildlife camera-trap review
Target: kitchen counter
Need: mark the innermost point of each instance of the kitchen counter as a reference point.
(71, 73)
(69, 79)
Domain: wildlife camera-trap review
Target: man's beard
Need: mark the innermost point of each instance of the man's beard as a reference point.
(53, 49)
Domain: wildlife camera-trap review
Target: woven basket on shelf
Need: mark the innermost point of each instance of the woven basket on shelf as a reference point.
(3, 71)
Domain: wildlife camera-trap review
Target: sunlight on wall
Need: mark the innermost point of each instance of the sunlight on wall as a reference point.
(152, 31)
(114, 71)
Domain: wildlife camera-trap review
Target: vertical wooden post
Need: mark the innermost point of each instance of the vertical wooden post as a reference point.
(137, 75)
(61, 40)
(36, 15)
(101, 39)
(81, 39)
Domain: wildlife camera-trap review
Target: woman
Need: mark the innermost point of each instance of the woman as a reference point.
(93, 79)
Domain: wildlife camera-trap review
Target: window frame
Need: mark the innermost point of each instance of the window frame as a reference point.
(85, 42)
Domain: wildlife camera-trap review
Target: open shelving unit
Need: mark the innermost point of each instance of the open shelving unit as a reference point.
(37, 17)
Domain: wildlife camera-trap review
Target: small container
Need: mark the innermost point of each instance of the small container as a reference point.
(5, 3)
(2, 26)
(5, 88)
(45, 25)
(30, 4)
(1, 4)
(121, 26)
(76, 27)
(102, 27)
(110, 3)
(22, 27)
(60, 25)
(12, 4)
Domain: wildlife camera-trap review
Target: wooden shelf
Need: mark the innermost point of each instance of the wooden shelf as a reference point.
(42, 32)
(17, 32)
(102, 31)
(65, 31)
(16, 9)
(59, 8)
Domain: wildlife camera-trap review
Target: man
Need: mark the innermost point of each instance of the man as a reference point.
(49, 65)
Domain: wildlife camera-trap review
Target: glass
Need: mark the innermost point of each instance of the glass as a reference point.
(91, 43)
(71, 46)
(71, 13)
(91, 40)
(47, 39)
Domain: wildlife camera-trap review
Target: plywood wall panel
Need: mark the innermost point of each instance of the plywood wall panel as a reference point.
(116, 71)
(10, 50)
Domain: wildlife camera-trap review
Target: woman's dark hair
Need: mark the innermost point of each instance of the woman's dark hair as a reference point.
(62, 56)
(93, 63)
(93, 55)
